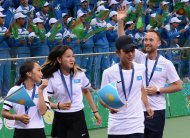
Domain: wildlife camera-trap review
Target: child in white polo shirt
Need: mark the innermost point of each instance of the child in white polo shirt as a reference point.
(127, 122)
(28, 120)
(67, 84)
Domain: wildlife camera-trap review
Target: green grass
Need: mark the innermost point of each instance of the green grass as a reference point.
(174, 128)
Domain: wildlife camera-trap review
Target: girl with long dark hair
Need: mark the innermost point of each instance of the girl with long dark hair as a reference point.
(67, 83)
(28, 120)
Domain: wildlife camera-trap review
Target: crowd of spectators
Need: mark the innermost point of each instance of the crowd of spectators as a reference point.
(19, 18)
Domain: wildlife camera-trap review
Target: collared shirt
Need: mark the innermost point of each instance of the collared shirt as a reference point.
(57, 90)
(36, 120)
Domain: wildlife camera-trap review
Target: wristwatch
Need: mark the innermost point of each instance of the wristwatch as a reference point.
(158, 91)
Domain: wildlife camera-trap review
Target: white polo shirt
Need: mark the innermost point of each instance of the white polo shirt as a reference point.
(165, 72)
(36, 120)
(57, 90)
(130, 119)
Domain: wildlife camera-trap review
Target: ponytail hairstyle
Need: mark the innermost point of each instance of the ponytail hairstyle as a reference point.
(52, 65)
(25, 67)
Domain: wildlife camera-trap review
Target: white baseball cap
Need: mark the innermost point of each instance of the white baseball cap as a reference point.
(80, 14)
(32, 34)
(148, 27)
(130, 22)
(125, 2)
(112, 13)
(175, 20)
(113, 2)
(52, 20)
(164, 3)
(100, 2)
(64, 14)
(69, 20)
(37, 20)
(46, 4)
(153, 15)
(1, 9)
(83, 1)
(101, 8)
(19, 15)
(184, 0)
(2, 15)
(137, 1)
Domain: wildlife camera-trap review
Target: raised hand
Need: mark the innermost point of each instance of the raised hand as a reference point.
(121, 13)
(44, 84)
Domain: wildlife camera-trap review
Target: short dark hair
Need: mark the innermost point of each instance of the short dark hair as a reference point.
(157, 33)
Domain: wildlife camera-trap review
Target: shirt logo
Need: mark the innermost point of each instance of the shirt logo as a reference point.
(36, 96)
(139, 77)
(158, 69)
(76, 80)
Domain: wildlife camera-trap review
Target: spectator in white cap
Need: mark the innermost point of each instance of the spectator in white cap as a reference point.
(19, 44)
(65, 16)
(26, 9)
(87, 45)
(112, 35)
(9, 11)
(84, 7)
(5, 67)
(186, 2)
(100, 3)
(71, 39)
(130, 30)
(113, 5)
(57, 38)
(43, 14)
(38, 43)
(173, 32)
(128, 6)
(101, 44)
(163, 12)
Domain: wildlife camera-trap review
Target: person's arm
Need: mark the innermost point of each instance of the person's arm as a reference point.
(24, 118)
(174, 87)
(146, 103)
(113, 111)
(88, 97)
(59, 105)
(121, 14)
(42, 108)
(173, 79)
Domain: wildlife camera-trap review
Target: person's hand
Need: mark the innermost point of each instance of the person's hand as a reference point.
(150, 113)
(44, 84)
(78, 41)
(182, 30)
(151, 90)
(109, 28)
(7, 33)
(113, 111)
(98, 118)
(24, 118)
(121, 13)
(64, 106)
(22, 41)
(68, 40)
